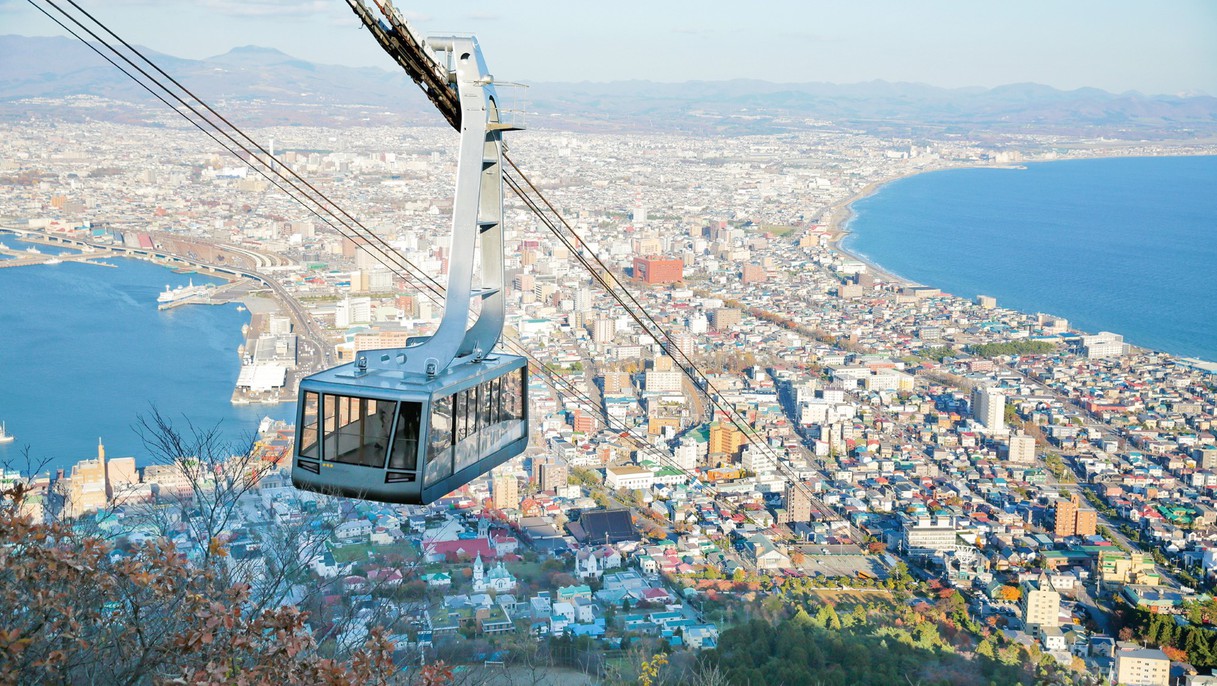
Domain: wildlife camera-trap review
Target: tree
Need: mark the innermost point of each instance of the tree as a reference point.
(827, 618)
(648, 673)
(217, 472)
(1175, 654)
(1009, 593)
(953, 604)
(76, 613)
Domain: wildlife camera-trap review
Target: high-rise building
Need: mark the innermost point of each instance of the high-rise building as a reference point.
(583, 422)
(1086, 522)
(122, 478)
(1073, 520)
(752, 273)
(725, 438)
(685, 343)
(1066, 517)
(989, 409)
(550, 473)
(798, 502)
(603, 330)
(506, 491)
(1021, 448)
(686, 455)
(353, 311)
(616, 383)
(1041, 604)
(662, 381)
(93, 484)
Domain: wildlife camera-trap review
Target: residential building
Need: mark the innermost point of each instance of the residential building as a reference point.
(1143, 667)
(550, 473)
(1021, 449)
(725, 438)
(1071, 519)
(989, 409)
(1041, 604)
(798, 503)
(505, 490)
(1103, 345)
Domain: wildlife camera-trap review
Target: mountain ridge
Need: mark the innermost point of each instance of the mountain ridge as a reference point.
(280, 84)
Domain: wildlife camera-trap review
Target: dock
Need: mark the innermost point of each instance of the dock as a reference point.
(24, 258)
(214, 296)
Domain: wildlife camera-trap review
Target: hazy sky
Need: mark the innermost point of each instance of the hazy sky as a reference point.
(1117, 45)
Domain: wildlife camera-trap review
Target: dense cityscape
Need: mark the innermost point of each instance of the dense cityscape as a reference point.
(1021, 495)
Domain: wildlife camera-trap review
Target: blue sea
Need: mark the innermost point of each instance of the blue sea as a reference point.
(84, 353)
(1127, 245)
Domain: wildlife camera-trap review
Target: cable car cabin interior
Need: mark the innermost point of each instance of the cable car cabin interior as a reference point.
(398, 439)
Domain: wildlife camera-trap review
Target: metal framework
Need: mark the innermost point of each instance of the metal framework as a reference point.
(452, 72)
(413, 53)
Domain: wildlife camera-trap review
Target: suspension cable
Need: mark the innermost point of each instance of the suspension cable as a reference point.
(388, 256)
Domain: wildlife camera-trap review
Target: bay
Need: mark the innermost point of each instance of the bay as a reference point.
(84, 353)
(1127, 245)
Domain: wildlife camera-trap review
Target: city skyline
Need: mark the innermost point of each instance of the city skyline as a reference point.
(1113, 46)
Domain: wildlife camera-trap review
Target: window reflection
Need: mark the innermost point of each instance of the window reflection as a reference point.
(308, 431)
(405, 439)
(357, 430)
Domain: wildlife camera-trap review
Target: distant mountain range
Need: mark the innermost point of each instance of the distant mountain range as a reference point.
(275, 88)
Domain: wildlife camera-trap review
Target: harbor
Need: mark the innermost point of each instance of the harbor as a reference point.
(269, 366)
(33, 256)
(208, 294)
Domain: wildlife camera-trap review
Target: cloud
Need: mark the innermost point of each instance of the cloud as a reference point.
(483, 16)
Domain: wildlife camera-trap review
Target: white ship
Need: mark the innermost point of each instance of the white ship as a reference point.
(172, 295)
(54, 260)
(5, 437)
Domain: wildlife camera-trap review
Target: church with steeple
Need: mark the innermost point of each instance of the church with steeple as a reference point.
(94, 483)
(498, 579)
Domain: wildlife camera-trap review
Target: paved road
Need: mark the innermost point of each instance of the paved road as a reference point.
(1107, 433)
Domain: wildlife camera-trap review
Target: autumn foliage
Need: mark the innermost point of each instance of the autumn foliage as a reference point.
(76, 609)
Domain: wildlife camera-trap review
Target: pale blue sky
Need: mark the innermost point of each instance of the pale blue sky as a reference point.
(1117, 45)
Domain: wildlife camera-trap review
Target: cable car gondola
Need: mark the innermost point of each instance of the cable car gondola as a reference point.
(411, 425)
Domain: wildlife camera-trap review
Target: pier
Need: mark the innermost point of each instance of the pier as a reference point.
(214, 296)
(24, 258)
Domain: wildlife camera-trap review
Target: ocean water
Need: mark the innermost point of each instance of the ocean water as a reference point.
(84, 353)
(1127, 245)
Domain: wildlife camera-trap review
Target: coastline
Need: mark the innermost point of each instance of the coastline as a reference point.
(842, 213)
(255, 302)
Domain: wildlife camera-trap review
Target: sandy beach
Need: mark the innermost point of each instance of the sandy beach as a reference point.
(840, 214)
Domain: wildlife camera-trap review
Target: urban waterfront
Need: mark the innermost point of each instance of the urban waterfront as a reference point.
(84, 353)
(1125, 245)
